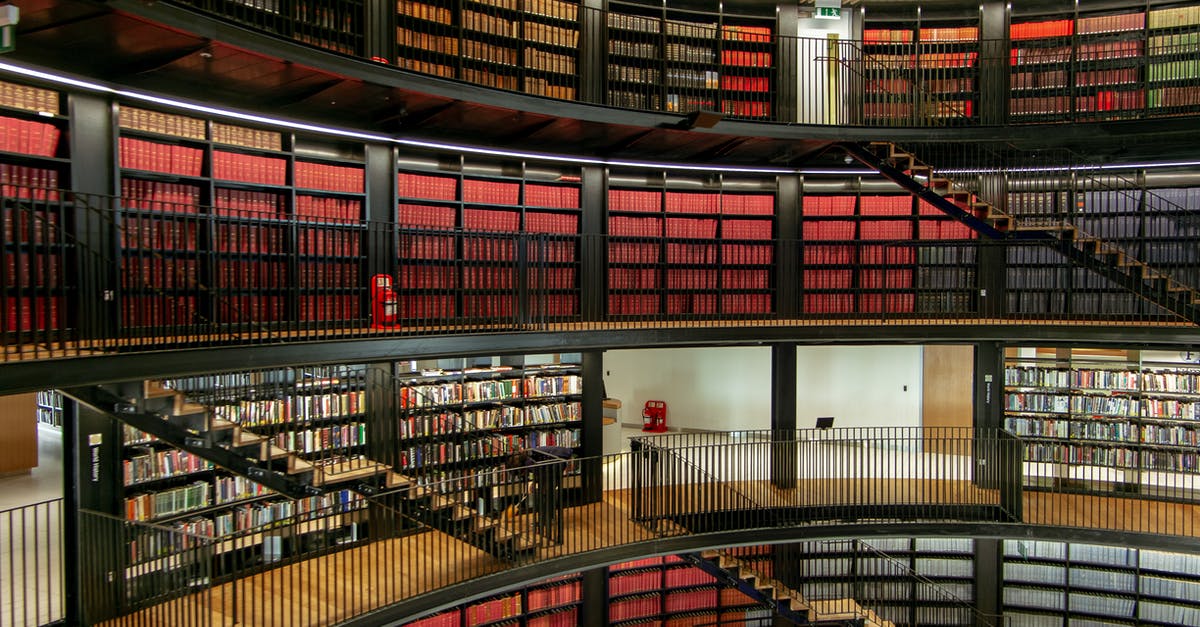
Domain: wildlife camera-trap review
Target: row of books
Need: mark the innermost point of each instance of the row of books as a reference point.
(28, 137)
(257, 169)
(179, 537)
(246, 137)
(161, 235)
(333, 178)
(160, 123)
(329, 275)
(140, 154)
(1071, 429)
(1120, 406)
(254, 274)
(28, 98)
(155, 465)
(508, 416)
(161, 310)
(544, 61)
(323, 438)
(490, 446)
(26, 270)
(159, 196)
(27, 182)
(928, 34)
(251, 516)
(236, 488)
(490, 192)
(322, 209)
(553, 596)
(867, 303)
(688, 303)
(325, 243)
(152, 505)
(298, 409)
(344, 307)
(244, 203)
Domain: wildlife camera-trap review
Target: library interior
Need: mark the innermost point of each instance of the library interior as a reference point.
(537, 313)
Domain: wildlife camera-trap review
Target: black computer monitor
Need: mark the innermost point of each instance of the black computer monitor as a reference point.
(824, 422)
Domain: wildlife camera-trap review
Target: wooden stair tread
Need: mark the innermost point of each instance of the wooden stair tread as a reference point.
(154, 389)
(348, 471)
(297, 464)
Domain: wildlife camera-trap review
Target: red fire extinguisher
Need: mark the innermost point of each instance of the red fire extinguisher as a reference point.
(384, 302)
(654, 417)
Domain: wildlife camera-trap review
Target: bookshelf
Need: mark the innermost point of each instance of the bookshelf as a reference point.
(1105, 421)
(476, 235)
(1174, 39)
(50, 408)
(317, 412)
(529, 46)
(460, 418)
(669, 590)
(690, 247)
(1085, 65)
(1047, 581)
(934, 65)
(882, 253)
(877, 574)
(668, 59)
(279, 236)
(34, 156)
(549, 603)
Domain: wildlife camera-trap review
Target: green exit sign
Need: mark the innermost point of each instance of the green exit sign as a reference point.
(829, 13)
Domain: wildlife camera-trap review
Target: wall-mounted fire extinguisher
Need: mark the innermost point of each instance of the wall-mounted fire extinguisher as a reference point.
(384, 302)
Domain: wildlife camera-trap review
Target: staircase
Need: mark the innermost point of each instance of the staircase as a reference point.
(171, 417)
(1107, 260)
(783, 600)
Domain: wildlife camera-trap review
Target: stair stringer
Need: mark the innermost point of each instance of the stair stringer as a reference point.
(1083, 250)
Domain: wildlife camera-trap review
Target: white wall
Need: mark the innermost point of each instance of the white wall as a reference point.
(818, 78)
(722, 388)
(860, 386)
(728, 388)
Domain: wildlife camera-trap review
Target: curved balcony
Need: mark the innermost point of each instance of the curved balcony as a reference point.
(438, 544)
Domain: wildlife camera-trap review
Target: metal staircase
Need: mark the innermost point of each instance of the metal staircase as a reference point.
(785, 601)
(1105, 259)
(172, 417)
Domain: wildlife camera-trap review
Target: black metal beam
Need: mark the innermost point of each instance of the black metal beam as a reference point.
(897, 176)
(34, 375)
(518, 576)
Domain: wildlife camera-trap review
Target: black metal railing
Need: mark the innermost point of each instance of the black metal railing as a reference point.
(87, 275)
(31, 564)
(750, 73)
(317, 565)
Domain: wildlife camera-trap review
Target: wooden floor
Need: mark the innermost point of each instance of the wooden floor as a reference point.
(347, 583)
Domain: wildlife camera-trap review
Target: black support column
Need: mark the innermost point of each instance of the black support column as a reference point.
(593, 597)
(592, 40)
(71, 542)
(989, 578)
(93, 171)
(594, 201)
(783, 415)
(379, 31)
(787, 251)
(380, 213)
(787, 65)
(993, 79)
(593, 425)
(989, 385)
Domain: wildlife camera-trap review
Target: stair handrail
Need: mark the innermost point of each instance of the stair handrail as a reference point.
(648, 443)
(981, 619)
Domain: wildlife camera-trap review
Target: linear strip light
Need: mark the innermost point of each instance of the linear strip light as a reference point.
(1078, 168)
(339, 132)
(248, 117)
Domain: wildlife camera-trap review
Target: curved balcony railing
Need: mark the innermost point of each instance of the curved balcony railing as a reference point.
(741, 68)
(86, 276)
(671, 493)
